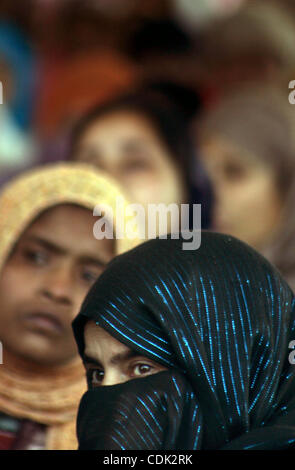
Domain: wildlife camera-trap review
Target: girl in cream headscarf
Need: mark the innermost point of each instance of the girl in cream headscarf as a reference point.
(49, 258)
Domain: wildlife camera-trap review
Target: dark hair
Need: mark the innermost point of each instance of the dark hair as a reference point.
(169, 109)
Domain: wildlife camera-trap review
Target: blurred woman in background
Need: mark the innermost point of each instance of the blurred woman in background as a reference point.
(142, 140)
(248, 148)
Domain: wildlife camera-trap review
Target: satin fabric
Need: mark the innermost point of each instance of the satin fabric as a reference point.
(221, 318)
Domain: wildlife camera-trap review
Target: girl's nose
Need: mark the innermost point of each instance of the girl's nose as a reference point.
(59, 285)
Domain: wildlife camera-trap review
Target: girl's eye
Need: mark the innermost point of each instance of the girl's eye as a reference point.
(141, 369)
(89, 276)
(36, 257)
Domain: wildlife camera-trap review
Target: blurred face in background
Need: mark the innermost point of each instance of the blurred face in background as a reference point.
(248, 203)
(127, 146)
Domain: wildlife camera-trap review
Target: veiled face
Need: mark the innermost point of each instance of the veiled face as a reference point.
(109, 362)
(248, 203)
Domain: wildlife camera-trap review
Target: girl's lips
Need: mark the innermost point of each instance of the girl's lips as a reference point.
(44, 322)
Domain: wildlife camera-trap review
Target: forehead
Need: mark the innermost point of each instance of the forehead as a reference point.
(99, 342)
(132, 122)
(61, 216)
(222, 148)
(69, 227)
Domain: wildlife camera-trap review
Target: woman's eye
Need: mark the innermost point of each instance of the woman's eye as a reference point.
(234, 171)
(95, 377)
(138, 164)
(88, 155)
(142, 369)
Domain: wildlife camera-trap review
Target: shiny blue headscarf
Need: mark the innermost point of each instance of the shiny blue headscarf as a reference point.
(221, 318)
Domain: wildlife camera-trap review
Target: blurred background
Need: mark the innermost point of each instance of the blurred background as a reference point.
(220, 67)
(60, 57)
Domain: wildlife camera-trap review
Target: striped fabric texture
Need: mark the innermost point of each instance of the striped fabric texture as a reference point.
(221, 318)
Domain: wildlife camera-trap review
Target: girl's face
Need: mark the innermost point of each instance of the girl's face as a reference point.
(247, 202)
(43, 283)
(125, 144)
(109, 362)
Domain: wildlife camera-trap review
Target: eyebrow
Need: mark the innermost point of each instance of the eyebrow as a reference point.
(90, 360)
(134, 144)
(48, 245)
(45, 244)
(115, 359)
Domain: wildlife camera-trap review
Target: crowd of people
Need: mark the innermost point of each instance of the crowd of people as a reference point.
(153, 103)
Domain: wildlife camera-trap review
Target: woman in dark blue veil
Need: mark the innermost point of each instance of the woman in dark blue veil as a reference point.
(220, 320)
